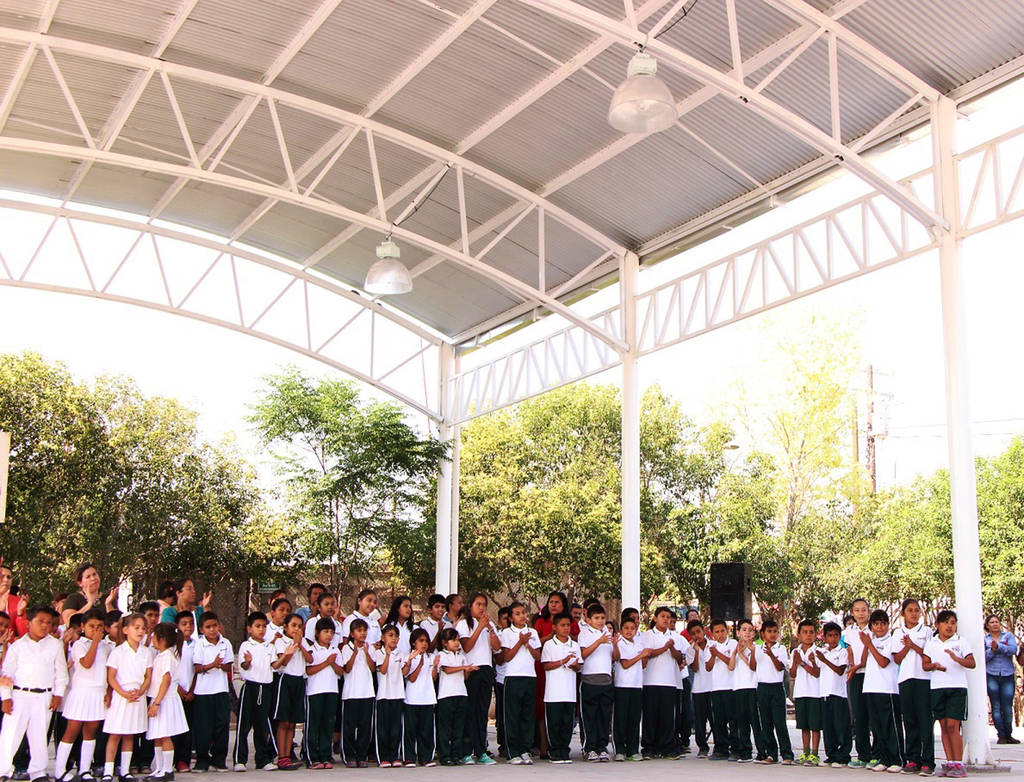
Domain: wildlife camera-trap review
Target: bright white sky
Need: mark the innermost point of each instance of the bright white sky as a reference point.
(218, 372)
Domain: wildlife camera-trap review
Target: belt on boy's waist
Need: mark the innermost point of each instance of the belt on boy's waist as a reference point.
(34, 689)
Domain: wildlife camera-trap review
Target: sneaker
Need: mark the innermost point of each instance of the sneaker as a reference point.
(871, 764)
(801, 758)
(769, 761)
(467, 761)
(619, 757)
(855, 763)
(675, 756)
(238, 767)
(527, 759)
(745, 760)
(592, 756)
(786, 761)
(942, 770)
(812, 760)
(486, 760)
(648, 757)
(880, 767)
(408, 764)
(87, 777)
(957, 771)
(561, 761)
(636, 757)
(429, 764)
(605, 757)
(910, 768)
(837, 765)
(895, 768)
(926, 770)
(385, 764)
(517, 761)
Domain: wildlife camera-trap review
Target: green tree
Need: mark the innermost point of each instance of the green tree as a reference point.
(105, 474)
(357, 475)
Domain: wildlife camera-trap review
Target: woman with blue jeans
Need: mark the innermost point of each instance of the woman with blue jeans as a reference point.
(1000, 648)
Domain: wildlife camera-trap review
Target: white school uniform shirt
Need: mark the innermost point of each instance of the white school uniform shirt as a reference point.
(600, 659)
(309, 633)
(522, 663)
(390, 685)
(851, 637)
(186, 673)
(701, 677)
(358, 682)
(404, 646)
(325, 680)
(164, 662)
(131, 665)
(876, 678)
(216, 679)
(296, 665)
(372, 627)
(499, 667)
(446, 622)
(955, 674)
(37, 664)
(273, 631)
(721, 676)
(911, 667)
(742, 677)
(632, 677)
(95, 675)
(766, 670)
(805, 685)
(830, 682)
(661, 671)
(481, 653)
(560, 683)
(420, 692)
(431, 627)
(451, 685)
(263, 655)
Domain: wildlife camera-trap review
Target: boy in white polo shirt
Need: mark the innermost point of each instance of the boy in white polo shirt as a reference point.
(211, 710)
(882, 695)
(560, 659)
(772, 659)
(256, 655)
(948, 657)
(700, 692)
(521, 647)
(322, 671)
(856, 660)
(666, 648)
(720, 650)
(629, 654)
(37, 674)
(597, 692)
(835, 708)
(804, 670)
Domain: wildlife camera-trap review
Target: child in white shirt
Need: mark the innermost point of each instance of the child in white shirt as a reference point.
(560, 660)
(882, 695)
(166, 715)
(743, 664)
(322, 672)
(257, 657)
(661, 673)
(914, 685)
(293, 655)
(597, 691)
(948, 657)
(629, 654)
(720, 650)
(521, 647)
(390, 698)
(835, 717)
(804, 670)
(420, 670)
(451, 698)
(357, 696)
(84, 708)
(772, 660)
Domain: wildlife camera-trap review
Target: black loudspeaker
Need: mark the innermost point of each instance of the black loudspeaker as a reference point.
(730, 591)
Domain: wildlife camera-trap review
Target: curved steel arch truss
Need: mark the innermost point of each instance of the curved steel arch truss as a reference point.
(168, 270)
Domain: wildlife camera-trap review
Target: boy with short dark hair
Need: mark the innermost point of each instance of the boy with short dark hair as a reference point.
(772, 659)
(597, 693)
(256, 656)
(661, 672)
(436, 606)
(697, 659)
(835, 716)
(881, 692)
(804, 669)
(720, 650)
(560, 659)
(629, 655)
(211, 710)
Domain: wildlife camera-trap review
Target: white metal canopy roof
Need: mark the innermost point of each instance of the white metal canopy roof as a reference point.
(307, 128)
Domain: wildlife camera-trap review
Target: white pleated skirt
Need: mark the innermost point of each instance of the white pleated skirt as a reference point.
(124, 718)
(85, 704)
(170, 720)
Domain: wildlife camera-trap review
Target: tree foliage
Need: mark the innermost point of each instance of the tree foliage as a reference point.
(356, 474)
(103, 473)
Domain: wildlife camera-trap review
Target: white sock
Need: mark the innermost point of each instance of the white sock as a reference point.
(126, 762)
(108, 768)
(85, 755)
(157, 764)
(168, 761)
(60, 765)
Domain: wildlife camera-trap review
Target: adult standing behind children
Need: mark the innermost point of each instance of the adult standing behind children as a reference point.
(1000, 648)
(88, 596)
(12, 605)
(185, 601)
(312, 595)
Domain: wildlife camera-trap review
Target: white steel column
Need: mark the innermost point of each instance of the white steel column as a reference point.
(443, 545)
(962, 479)
(630, 436)
(453, 558)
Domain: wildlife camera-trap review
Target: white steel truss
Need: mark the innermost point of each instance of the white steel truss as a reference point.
(161, 268)
(858, 237)
(193, 167)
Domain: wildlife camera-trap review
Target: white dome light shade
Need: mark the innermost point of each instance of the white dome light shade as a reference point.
(642, 103)
(388, 276)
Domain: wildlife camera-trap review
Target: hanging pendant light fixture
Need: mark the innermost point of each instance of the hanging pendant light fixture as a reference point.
(643, 102)
(388, 276)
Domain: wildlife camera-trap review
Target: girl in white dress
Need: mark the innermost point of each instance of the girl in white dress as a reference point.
(129, 669)
(166, 714)
(84, 706)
